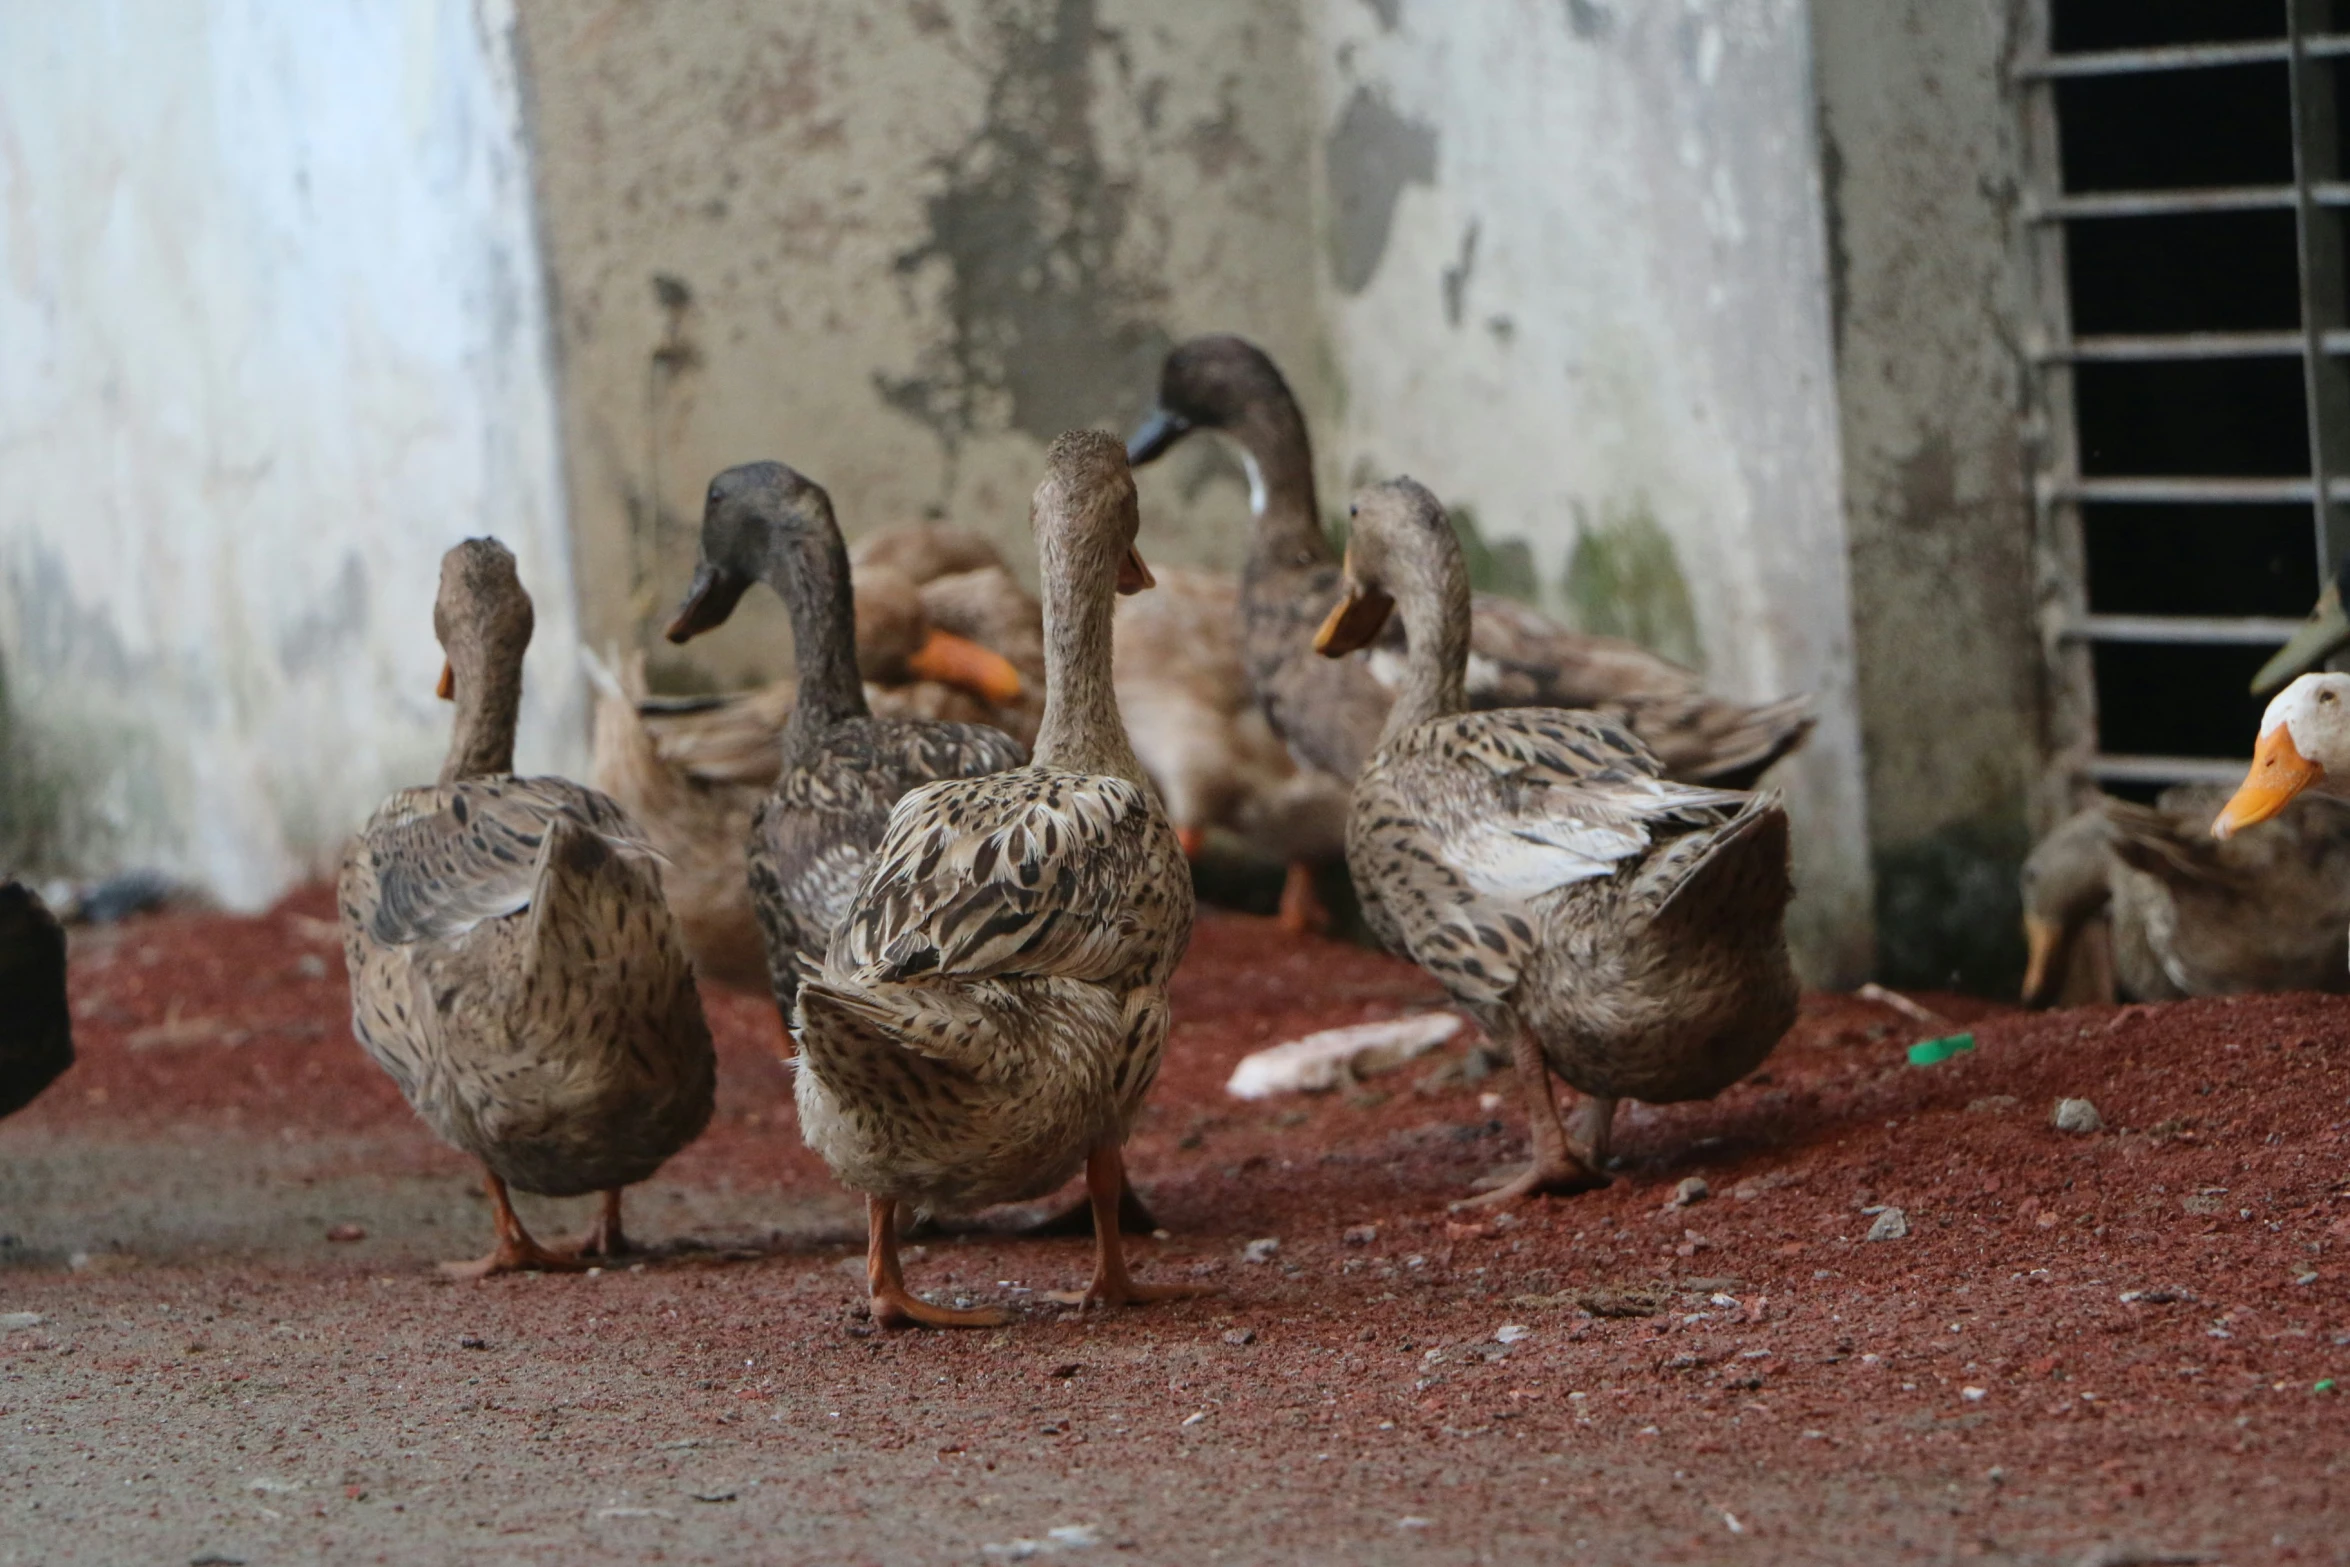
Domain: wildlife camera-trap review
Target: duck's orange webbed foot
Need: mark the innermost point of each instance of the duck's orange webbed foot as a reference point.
(1563, 1177)
(892, 1304)
(1105, 1186)
(515, 1252)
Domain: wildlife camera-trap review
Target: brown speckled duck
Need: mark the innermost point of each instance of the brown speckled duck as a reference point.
(1602, 921)
(992, 1007)
(36, 1028)
(2192, 915)
(512, 963)
(842, 769)
(1331, 712)
(694, 773)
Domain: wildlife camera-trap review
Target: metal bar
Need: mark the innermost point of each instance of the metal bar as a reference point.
(2111, 348)
(2068, 714)
(2167, 769)
(2184, 492)
(2177, 57)
(2200, 630)
(2172, 57)
(2184, 201)
(2317, 162)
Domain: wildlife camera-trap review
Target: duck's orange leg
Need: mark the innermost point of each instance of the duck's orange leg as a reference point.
(1302, 911)
(515, 1252)
(605, 1239)
(1559, 1167)
(1105, 1180)
(893, 1305)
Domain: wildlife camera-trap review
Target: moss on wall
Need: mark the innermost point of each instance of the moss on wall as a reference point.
(1624, 579)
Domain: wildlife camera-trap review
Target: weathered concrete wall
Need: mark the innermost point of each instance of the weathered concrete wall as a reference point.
(273, 329)
(1921, 149)
(900, 247)
(1578, 284)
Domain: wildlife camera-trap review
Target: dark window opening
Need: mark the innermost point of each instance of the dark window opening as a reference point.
(2221, 528)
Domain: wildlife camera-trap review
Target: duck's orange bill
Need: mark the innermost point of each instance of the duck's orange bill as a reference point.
(447, 689)
(2041, 940)
(1352, 622)
(959, 661)
(1134, 574)
(2279, 772)
(1193, 839)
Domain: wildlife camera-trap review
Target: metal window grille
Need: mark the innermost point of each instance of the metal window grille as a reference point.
(2090, 647)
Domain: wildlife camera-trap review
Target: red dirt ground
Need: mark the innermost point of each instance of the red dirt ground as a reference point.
(2111, 1347)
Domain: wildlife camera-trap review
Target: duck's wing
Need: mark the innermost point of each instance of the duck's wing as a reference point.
(1035, 873)
(1521, 658)
(442, 860)
(815, 837)
(1469, 820)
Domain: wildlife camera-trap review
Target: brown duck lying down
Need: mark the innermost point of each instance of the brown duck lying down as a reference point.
(1606, 923)
(990, 1011)
(512, 963)
(2192, 915)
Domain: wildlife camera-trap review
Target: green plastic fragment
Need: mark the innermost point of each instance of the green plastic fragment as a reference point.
(1933, 1052)
(2327, 1386)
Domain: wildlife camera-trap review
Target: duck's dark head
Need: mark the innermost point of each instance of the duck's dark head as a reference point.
(1212, 383)
(482, 614)
(756, 518)
(1397, 534)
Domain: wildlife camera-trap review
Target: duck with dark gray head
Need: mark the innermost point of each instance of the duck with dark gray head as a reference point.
(1330, 712)
(842, 769)
(512, 963)
(1598, 919)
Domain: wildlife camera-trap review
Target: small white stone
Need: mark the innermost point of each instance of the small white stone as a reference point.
(1691, 1190)
(1974, 1395)
(21, 1319)
(1260, 1249)
(2078, 1115)
(1511, 1332)
(1891, 1225)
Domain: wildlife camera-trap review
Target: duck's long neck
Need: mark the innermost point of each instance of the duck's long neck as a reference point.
(1280, 459)
(489, 703)
(811, 576)
(1081, 731)
(1432, 596)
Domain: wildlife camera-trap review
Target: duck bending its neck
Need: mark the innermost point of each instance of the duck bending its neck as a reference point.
(1081, 731)
(810, 573)
(1431, 589)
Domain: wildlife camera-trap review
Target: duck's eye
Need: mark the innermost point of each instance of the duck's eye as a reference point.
(2326, 697)
(1353, 510)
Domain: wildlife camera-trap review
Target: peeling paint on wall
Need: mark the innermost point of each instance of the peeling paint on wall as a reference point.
(1372, 154)
(1045, 330)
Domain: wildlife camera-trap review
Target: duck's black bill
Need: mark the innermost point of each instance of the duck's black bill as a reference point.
(708, 602)
(1151, 440)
